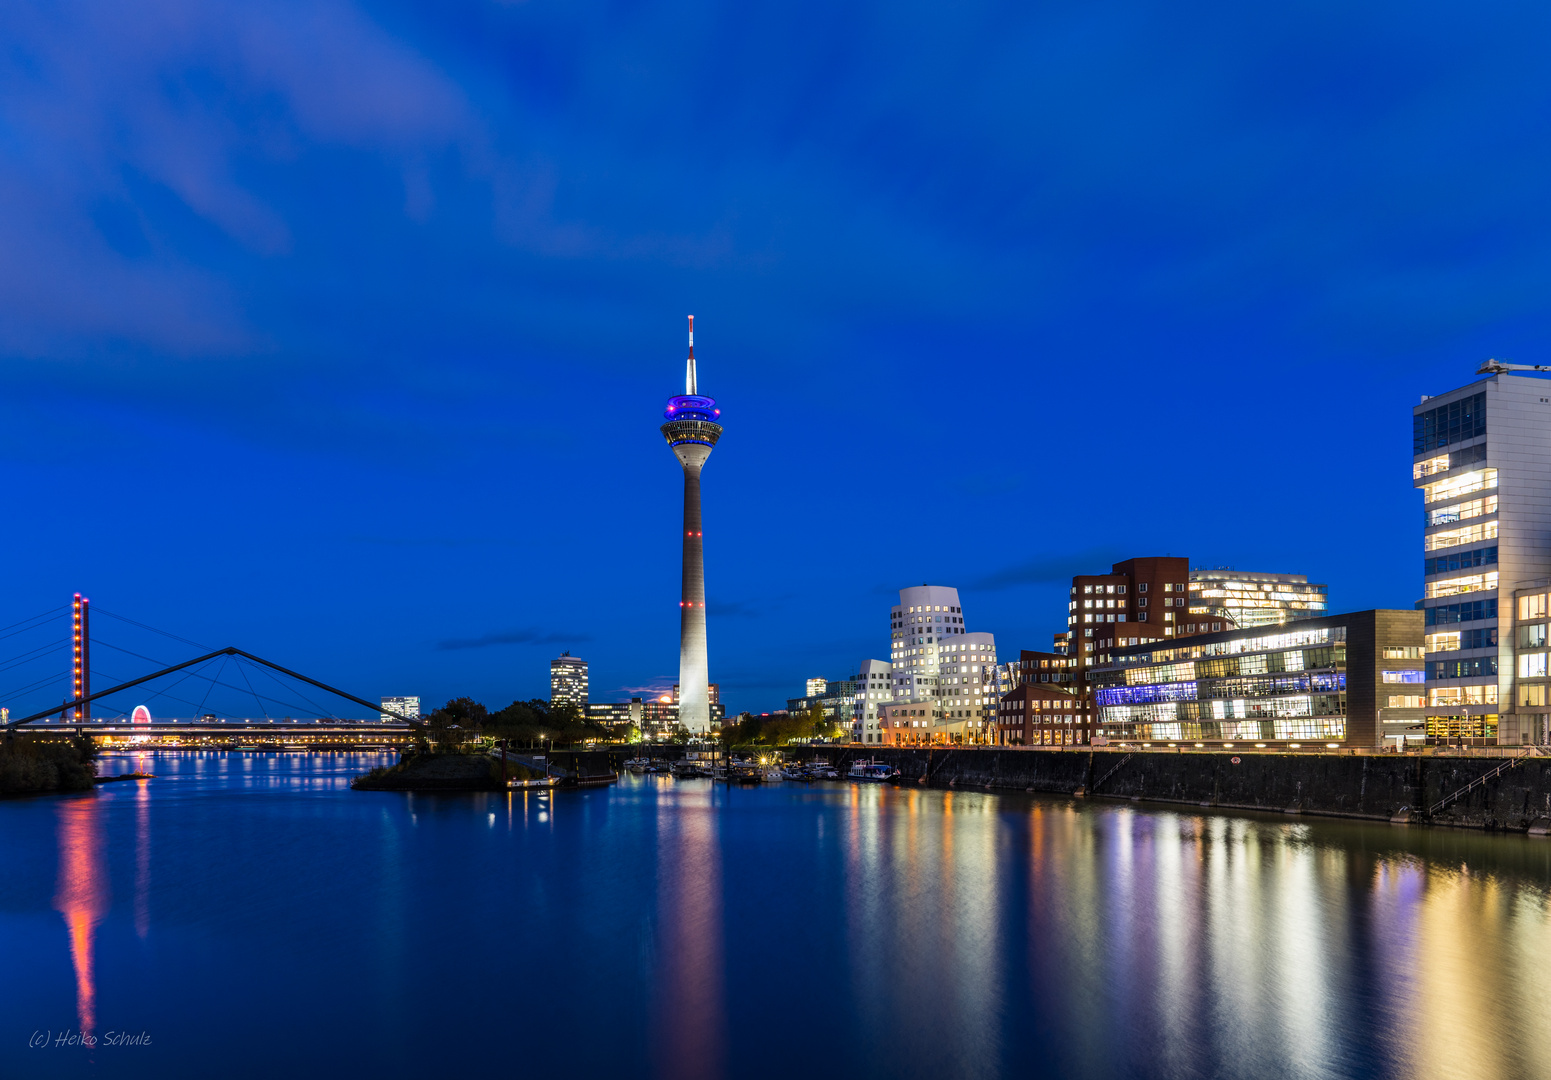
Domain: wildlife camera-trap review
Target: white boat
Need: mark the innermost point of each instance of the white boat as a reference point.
(872, 771)
(794, 772)
(638, 764)
(772, 774)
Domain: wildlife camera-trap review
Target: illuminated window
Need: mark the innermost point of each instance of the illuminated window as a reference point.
(1532, 607)
(1532, 665)
(1456, 486)
(1445, 642)
(1463, 511)
(1463, 584)
(1405, 701)
(1463, 695)
(1431, 465)
(1454, 537)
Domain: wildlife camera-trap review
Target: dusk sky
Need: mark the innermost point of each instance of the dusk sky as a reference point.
(342, 332)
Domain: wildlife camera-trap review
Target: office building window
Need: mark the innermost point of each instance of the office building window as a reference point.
(1434, 429)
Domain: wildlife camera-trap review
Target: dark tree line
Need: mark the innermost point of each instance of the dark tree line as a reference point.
(463, 720)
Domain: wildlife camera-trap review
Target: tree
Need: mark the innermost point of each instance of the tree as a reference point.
(816, 721)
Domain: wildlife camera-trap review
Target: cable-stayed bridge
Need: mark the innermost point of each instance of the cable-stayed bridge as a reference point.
(219, 690)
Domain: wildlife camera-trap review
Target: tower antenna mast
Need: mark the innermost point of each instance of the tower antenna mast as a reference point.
(689, 371)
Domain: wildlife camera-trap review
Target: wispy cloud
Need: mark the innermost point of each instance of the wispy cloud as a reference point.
(662, 684)
(514, 637)
(1047, 569)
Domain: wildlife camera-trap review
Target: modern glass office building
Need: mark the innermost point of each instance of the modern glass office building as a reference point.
(1250, 598)
(1338, 680)
(1532, 679)
(1481, 457)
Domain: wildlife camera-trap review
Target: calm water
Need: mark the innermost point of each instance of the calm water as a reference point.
(254, 917)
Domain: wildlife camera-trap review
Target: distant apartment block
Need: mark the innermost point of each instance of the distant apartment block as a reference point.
(404, 706)
(852, 702)
(568, 682)
(654, 717)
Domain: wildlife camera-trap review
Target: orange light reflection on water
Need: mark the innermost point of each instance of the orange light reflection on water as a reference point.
(82, 894)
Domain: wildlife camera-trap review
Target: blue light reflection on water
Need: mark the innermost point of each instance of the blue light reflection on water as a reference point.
(255, 916)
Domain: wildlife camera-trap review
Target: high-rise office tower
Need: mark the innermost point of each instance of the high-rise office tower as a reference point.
(568, 682)
(1481, 456)
(692, 431)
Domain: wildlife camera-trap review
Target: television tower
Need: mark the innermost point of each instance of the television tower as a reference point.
(692, 431)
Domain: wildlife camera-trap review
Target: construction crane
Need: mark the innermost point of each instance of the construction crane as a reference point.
(1497, 367)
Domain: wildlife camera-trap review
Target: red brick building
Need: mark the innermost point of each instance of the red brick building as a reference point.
(1039, 714)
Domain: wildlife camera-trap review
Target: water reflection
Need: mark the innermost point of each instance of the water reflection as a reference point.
(142, 858)
(82, 894)
(923, 925)
(688, 1002)
(902, 930)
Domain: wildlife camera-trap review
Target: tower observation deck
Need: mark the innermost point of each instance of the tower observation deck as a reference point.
(692, 429)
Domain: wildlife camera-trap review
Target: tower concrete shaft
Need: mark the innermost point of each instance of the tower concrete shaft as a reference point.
(694, 662)
(692, 431)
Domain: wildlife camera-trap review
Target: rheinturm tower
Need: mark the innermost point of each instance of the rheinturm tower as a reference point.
(692, 431)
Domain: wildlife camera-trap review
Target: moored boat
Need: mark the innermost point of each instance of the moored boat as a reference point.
(534, 782)
(870, 771)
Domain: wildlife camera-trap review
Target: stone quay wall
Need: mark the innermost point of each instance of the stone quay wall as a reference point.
(1376, 786)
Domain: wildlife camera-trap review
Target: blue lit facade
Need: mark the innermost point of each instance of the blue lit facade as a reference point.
(1341, 680)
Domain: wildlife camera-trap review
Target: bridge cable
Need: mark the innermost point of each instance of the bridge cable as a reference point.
(170, 697)
(216, 681)
(63, 677)
(166, 693)
(200, 711)
(35, 654)
(34, 619)
(137, 656)
(320, 710)
(242, 669)
(101, 611)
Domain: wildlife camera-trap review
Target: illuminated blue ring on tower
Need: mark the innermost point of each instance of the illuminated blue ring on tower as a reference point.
(692, 419)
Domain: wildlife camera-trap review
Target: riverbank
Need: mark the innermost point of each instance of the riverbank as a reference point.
(434, 772)
(32, 766)
(1379, 787)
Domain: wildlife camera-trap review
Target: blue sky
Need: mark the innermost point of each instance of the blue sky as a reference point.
(341, 332)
